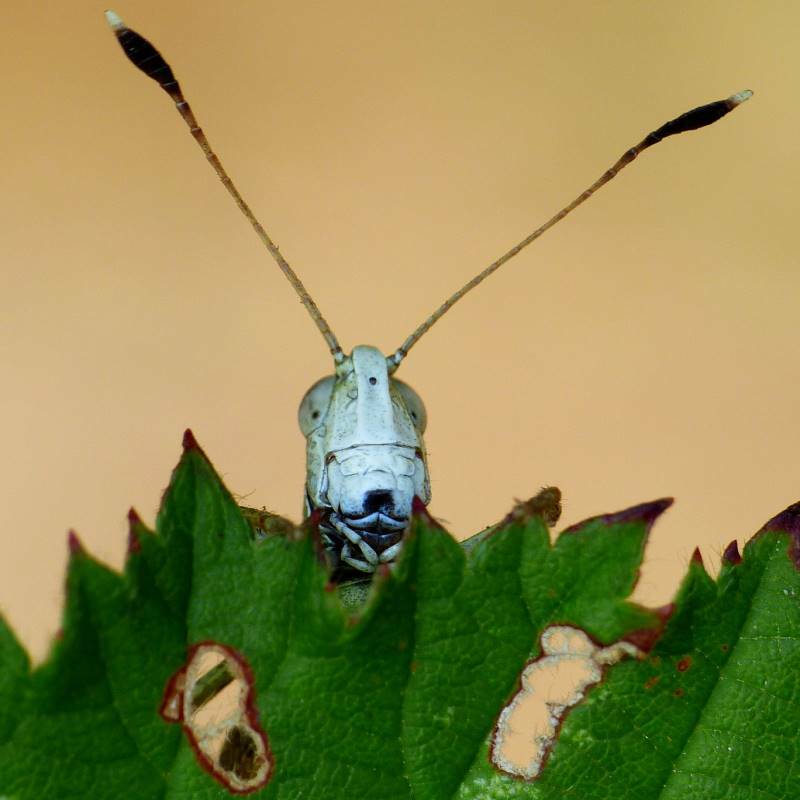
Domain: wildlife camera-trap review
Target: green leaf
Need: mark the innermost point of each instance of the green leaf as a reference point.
(14, 669)
(712, 712)
(400, 698)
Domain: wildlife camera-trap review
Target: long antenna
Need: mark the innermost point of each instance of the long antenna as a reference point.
(152, 63)
(691, 120)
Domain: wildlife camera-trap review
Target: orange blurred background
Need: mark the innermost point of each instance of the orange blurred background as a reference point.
(646, 347)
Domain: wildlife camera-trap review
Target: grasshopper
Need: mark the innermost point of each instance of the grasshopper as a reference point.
(365, 454)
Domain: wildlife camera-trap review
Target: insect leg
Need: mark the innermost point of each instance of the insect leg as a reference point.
(356, 563)
(369, 554)
(390, 552)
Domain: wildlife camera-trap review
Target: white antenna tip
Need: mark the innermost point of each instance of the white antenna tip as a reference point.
(114, 20)
(740, 97)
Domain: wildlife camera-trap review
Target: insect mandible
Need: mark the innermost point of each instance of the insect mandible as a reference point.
(365, 454)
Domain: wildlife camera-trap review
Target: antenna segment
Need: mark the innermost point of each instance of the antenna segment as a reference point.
(691, 120)
(146, 58)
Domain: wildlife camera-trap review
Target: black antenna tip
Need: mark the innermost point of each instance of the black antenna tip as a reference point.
(143, 55)
(698, 117)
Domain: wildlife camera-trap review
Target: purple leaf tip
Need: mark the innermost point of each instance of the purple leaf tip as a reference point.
(697, 558)
(189, 442)
(645, 513)
(74, 544)
(788, 521)
(731, 554)
(420, 511)
(134, 542)
(134, 539)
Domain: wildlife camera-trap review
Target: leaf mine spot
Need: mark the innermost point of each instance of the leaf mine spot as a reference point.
(212, 697)
(239, 754)
(550, 686)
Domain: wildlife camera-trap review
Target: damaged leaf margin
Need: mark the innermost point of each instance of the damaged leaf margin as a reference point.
(706, 709)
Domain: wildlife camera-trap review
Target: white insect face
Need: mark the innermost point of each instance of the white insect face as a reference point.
(365, 458)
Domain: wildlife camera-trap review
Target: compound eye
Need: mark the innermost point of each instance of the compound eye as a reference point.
(314, 405)
(413, 404)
